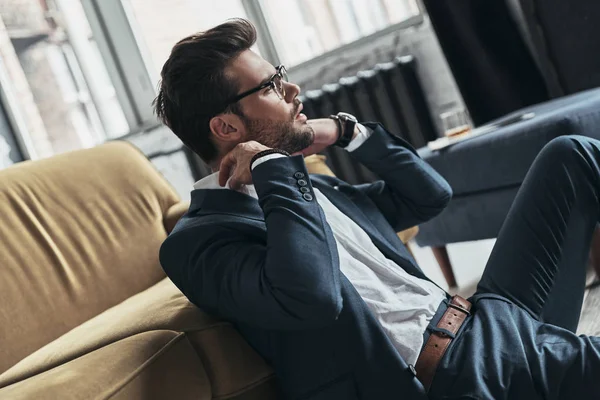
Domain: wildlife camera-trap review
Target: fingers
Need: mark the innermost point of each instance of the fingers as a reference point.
(229, 172)
(226, 168)
(234, 183)
(235, 165)
(240, 178)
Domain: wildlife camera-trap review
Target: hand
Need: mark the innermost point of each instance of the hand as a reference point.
(236, 164)
(325, 134)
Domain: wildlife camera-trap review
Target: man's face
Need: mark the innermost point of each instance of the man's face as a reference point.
(267, 118)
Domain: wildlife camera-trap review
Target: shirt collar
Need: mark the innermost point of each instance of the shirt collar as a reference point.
(212, 182)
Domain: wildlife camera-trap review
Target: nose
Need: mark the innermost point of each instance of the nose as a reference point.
(291, 91)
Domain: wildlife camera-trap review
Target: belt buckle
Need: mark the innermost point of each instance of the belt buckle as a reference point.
(459, 308)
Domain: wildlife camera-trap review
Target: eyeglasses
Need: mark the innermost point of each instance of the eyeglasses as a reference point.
(276, 82)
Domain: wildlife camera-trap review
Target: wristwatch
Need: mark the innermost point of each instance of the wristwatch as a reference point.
(346, 124)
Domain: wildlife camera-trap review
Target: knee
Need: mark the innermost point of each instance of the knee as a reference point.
(573, 151)
(566, 143)
(564, 147)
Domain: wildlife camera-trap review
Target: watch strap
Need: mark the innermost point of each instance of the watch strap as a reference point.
(338, 121)
(346, 127)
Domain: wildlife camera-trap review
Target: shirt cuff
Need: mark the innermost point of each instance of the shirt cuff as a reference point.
(266, 158)
(363, 134)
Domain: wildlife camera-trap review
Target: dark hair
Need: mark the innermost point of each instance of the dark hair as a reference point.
(194, 87)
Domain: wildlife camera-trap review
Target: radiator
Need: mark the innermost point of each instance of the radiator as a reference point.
(390, 93)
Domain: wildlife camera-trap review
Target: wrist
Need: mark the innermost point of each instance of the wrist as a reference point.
(265, 153)
(347, 126)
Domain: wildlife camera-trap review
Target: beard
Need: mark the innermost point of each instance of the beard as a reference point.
(282, 135)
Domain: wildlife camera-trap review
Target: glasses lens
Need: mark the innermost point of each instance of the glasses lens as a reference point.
(279, 87)
(280, 79)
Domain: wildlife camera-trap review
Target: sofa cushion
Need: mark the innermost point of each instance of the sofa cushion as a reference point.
(231, 364)
(174, 214)
(80, 233)
(150, 365)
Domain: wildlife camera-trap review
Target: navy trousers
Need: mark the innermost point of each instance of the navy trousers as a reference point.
(520, 341)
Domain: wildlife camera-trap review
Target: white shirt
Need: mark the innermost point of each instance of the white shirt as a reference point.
(403, 304)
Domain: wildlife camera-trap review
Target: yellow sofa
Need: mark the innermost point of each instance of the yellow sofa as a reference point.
(85, 309)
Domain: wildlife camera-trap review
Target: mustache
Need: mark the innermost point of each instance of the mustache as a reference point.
(297, 104)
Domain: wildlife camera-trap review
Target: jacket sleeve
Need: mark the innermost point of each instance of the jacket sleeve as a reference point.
(291, 281)
(410, 191)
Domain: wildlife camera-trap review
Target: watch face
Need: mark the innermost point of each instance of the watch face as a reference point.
(345, 116)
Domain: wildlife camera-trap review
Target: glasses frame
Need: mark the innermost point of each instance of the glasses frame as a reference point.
(281, 74)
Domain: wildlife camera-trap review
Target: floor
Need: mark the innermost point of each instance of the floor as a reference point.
(468, 261)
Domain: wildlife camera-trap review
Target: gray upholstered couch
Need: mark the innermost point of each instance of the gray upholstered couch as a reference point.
(486, 172)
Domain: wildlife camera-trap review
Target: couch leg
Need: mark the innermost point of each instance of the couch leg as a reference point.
(441, 255)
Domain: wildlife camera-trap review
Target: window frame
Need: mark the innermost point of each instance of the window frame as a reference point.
(112, 28)
(15, 117)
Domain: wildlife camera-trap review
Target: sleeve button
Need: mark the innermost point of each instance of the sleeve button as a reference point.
(302, 182)
(304, 189)
(307, 196)
(298, 175)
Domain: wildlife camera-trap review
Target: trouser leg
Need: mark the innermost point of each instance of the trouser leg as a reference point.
(539, 258)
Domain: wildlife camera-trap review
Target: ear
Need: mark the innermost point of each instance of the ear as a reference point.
(227, 128)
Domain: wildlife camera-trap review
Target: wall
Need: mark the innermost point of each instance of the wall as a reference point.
(420, 41)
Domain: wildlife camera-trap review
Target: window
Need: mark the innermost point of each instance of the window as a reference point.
(162, 24)
(299, 29)
(60, 84)
(304, 29)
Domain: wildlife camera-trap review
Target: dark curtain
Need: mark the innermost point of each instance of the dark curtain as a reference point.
(495, 71)
(565, 36)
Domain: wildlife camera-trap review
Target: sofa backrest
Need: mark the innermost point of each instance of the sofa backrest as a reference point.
(79, 233)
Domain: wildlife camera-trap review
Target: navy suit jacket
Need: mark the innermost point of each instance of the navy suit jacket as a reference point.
(271, 267)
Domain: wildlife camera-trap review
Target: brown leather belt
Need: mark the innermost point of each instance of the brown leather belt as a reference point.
(439, 340)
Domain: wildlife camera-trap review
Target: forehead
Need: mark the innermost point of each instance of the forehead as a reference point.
(250, 69)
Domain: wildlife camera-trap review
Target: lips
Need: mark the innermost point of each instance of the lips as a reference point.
(300, 108)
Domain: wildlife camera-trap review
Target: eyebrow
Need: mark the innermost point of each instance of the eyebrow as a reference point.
(267, 79)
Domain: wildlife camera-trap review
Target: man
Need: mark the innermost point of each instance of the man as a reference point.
(310, 269)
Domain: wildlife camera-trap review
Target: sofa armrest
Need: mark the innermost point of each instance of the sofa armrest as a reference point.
(173, 214)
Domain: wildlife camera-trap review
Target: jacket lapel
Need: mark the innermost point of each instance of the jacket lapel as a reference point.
(350, 209)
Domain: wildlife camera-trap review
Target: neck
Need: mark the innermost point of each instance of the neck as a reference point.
(215, 166)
